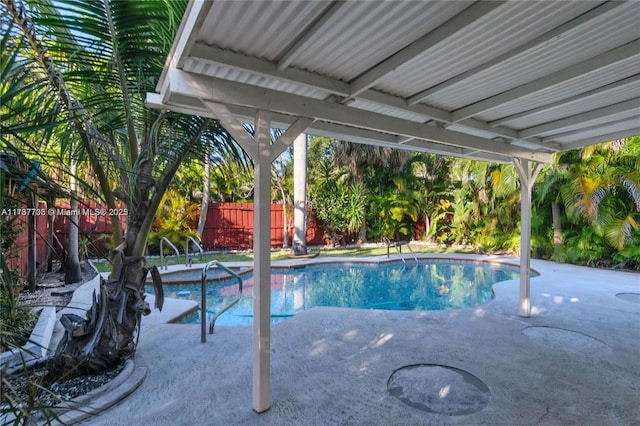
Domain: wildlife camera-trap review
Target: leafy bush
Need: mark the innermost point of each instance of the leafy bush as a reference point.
(175, 220)
(17, 320)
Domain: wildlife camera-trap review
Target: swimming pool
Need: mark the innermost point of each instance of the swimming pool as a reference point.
(422, 285)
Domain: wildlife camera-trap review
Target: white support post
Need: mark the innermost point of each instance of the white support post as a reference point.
(263, 152)
(262, 265)
(527, 178)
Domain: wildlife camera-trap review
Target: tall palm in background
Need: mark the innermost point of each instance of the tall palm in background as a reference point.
(99, 59)
(603, 188)
(368, 161)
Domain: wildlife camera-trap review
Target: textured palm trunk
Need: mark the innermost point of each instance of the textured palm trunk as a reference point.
(72, 272)
(110, 330)
(557, 231)
(205, 192)
(299, 246)
(100, 341)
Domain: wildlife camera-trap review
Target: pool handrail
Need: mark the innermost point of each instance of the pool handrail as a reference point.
(398, 246)
(175, 249)
(203, 328)
(186, 250)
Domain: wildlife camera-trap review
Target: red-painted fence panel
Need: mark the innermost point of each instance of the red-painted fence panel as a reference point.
(17, 255)
(229, 226)
(94, 225)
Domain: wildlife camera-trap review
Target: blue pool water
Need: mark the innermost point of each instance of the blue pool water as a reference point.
(423, 285)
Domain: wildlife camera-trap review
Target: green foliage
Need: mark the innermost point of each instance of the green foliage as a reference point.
(599, 191)
(392, 214)
(17, 320)
(340, 207)
(175, 220)
(20, 396)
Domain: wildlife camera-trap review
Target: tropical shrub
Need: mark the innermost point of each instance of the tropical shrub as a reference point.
(392, 215)
(175, 220)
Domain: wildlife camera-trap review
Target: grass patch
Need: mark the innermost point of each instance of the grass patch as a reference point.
(354, 251)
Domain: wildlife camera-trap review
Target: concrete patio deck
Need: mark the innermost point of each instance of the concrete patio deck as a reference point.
(575, 361)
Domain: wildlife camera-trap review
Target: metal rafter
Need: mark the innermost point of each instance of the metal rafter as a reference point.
(621, 107)
(589, 65)
(233, 93)
(580, 20)
(452, 26)
(290, 54)
(629, 81)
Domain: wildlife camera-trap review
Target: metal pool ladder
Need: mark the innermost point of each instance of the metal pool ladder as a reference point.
(186, 250)
(175, 249)
(398, 246)
(203, 335)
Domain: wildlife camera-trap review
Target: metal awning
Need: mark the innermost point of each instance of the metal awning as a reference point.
(506, 81)
(487, 80)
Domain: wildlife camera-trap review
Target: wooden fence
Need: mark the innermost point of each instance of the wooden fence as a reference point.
(229, 226)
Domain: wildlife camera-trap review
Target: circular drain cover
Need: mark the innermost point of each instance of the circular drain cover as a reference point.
(631, 297)
(566, 340)
(439, 389)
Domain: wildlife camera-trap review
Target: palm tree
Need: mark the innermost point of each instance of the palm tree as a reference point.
(434, 183)
(604, 188)
(299, 246)
(368, 161)
(100, 59)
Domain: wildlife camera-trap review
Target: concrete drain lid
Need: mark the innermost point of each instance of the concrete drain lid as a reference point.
(439, 389)
(631, 297)
(566, 340)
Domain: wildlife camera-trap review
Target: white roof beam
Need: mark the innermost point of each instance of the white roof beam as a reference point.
(435, 148)
(246, 115)
(633, 80)
(299, 45)
(606, 59)
(442, 115)
(399, 103)
(225, 58)
(555, 136)
(235, 128)
(195, 13)
(580, 20)
(506, 133)
(630, 105)
(292, 132)
(217, 90)
(603, 138)
(453, 25)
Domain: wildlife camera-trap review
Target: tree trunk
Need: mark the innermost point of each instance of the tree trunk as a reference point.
(50, 235)
(32, 202)
(99, 342)
(299, 246)
(72, 272)
(557, 231)
(285, 221)
(205, 192)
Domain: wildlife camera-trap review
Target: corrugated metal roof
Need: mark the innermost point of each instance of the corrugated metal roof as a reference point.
(199, 67)
(498, 32)
(582, 43)
(257, 28)
(482, 72)
(365, 33)
(584, 83)
(602, 129)
(620, 94)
